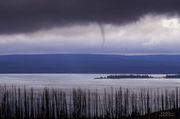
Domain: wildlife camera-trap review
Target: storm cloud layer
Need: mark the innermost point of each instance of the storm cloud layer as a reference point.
(20, 16)
(89, 26)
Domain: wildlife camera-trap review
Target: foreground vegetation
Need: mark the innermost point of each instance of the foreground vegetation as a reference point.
(22, 103)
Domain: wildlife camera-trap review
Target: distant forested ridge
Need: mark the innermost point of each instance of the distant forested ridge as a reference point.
(90, 63)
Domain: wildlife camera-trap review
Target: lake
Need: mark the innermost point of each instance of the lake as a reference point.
(85, 81)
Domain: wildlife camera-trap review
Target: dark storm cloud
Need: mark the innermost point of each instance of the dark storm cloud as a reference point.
(29, 15)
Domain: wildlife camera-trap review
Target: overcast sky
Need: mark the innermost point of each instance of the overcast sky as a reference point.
(90, 26)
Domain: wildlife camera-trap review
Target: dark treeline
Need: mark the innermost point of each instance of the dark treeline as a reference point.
(22, 103)
(125, 76)
(172, 76)
(131, 76)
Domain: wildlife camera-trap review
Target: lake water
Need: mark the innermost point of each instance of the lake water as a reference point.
(85, 81)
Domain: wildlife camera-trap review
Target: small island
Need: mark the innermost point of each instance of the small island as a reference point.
(172, 76)
(137, 76)
(125, 76)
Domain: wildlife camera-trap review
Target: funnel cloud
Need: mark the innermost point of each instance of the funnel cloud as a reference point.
(103, 35)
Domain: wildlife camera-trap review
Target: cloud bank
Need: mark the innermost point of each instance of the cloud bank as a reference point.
(79, 26)
(19, 16)
(151, 34)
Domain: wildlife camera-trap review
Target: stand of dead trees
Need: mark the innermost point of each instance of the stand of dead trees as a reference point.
(22, 103)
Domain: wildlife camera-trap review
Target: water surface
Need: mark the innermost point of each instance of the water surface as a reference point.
(87, 81)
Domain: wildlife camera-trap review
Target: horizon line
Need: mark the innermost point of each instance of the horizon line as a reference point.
(120, 54)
